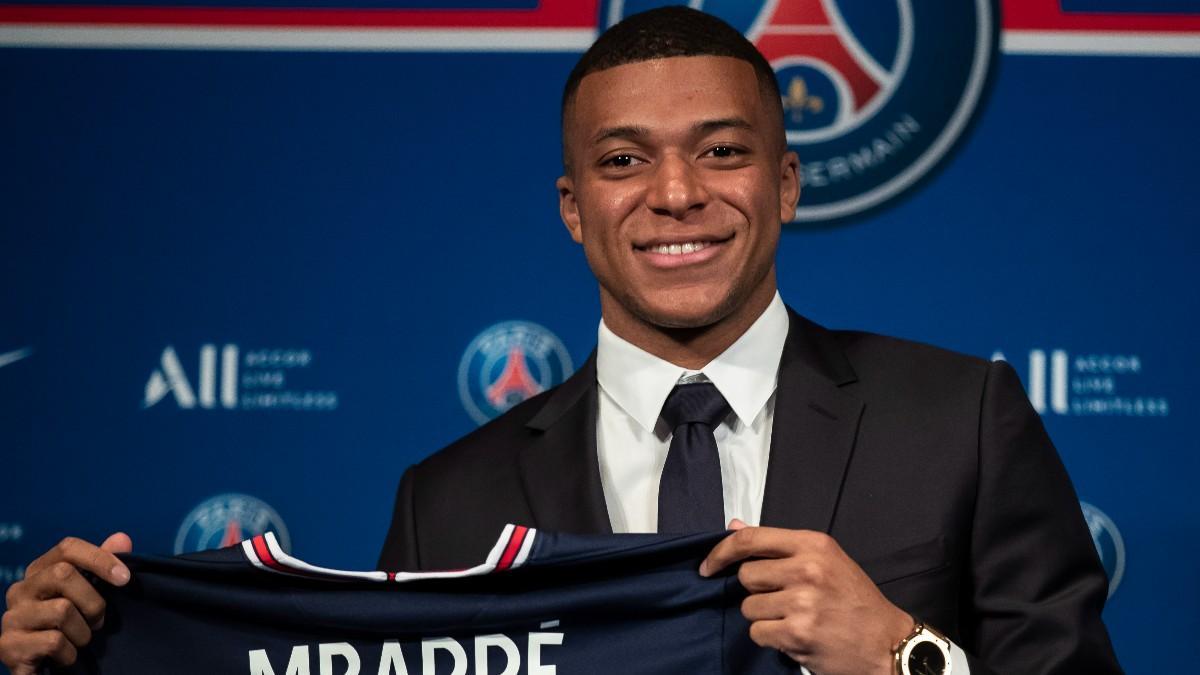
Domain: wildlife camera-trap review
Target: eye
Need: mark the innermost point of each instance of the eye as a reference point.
(723, 151)
(621, 161)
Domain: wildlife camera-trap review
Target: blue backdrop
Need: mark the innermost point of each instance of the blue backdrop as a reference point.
(246, 254)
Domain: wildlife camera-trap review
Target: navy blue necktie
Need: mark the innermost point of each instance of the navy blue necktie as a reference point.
(689, 495)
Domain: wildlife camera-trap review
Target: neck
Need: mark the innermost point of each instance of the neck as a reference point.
(690, 348)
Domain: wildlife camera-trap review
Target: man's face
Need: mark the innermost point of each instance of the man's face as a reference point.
(676, 187)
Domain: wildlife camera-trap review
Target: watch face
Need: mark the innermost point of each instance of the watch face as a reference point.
(926, 659)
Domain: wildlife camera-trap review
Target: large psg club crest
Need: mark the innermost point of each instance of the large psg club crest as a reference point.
(875, 94)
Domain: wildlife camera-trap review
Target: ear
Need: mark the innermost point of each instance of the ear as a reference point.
(789, 186)
(568, 208)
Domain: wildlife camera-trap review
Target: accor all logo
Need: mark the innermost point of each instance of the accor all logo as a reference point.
(170, 378)
(228, 377)
(1093, 384)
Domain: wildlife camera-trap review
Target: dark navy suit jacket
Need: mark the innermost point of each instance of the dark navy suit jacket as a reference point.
(929, 468)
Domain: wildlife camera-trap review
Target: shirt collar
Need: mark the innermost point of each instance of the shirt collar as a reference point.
(746, 373)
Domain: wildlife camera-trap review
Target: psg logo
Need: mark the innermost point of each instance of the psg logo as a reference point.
(1109, 544)
(875, 94)
(508, 363)
(227, 519)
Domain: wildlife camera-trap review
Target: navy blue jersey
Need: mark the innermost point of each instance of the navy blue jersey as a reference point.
(541, 604)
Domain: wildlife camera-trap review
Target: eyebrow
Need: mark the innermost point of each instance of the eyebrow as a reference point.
(709, 126)
(629, 131)
(634, 132)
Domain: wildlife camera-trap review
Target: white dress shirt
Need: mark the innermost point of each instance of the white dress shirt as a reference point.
(632, 441)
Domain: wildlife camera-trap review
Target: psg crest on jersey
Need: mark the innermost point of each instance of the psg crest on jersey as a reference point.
(227, 519)
(508, 363)
(1109, 544)
(875, 94)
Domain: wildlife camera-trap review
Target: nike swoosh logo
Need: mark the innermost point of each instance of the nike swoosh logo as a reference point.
(14, 356)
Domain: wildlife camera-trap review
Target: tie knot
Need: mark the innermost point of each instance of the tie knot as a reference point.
(698, 403)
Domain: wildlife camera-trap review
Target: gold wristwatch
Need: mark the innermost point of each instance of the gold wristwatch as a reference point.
(924, 652)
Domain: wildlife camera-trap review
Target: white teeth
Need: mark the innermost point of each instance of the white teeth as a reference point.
(679, 249)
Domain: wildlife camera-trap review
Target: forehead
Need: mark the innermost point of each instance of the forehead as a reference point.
(664, 93)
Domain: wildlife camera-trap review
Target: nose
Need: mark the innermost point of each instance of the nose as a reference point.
(676, 188)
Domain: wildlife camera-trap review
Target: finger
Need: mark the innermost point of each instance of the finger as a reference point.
(55, 614)
(118, 542)
(762, 576)
(18, 593)
(794, 636)
(22, 669)
(56, 646)
(90, 557)
(762, 607)
(781, 634)
(9, 644)
(26, 651)
(63, 580)
(795, 604)
(737, 524)
(756, 542)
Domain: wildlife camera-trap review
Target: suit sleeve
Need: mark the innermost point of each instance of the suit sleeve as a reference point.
(1036, 583)
(400, 552)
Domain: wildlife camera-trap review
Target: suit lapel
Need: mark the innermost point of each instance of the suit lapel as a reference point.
(812, 439)
(560, 467)
(816, 423)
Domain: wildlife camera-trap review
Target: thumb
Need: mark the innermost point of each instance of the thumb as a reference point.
(117, 543)
(737, 524)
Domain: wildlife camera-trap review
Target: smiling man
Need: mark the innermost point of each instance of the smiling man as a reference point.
(898, 508)
(677, 180)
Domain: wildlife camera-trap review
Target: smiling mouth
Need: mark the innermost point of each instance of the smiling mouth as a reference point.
(678, 249)
(670, 254)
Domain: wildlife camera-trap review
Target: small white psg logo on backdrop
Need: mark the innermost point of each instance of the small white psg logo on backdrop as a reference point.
(227, 519)
(1109, 544)
(509, 363)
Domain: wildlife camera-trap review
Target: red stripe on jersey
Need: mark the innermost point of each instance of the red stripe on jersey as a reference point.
(513, 548)
(264, 553)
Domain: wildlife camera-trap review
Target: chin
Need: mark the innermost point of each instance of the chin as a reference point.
(686, 310)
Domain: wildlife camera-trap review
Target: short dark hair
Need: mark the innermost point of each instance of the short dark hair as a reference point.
(665, 32)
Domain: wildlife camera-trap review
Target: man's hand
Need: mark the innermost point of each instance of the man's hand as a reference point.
(809, 600)
(52, 613)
